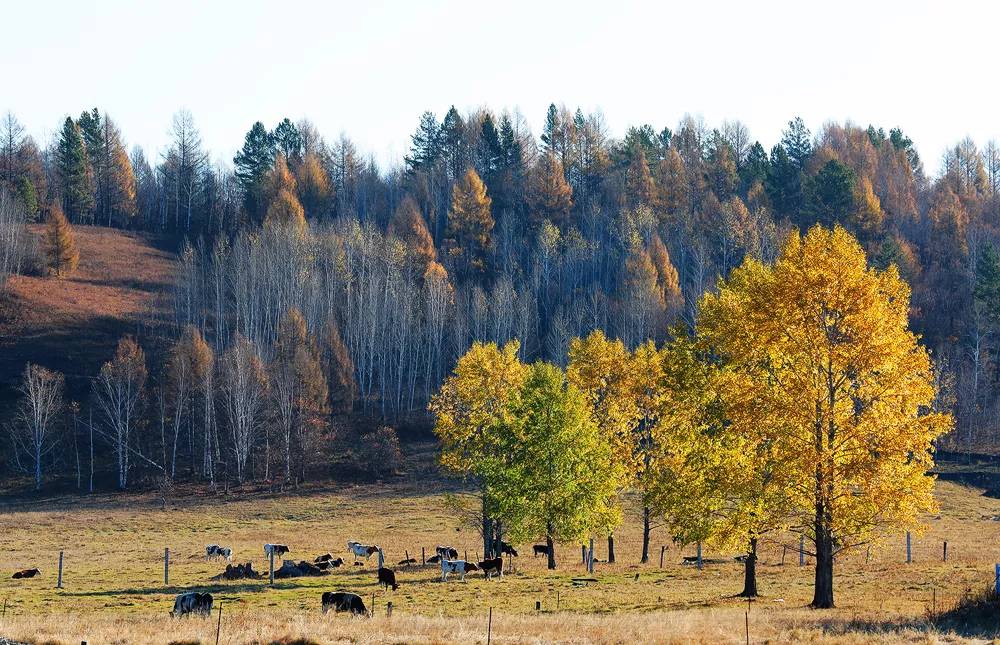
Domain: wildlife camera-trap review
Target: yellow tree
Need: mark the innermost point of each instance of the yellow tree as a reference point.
(470, 223)
(472, 411)
(408, 225)
(601, 369)
(551, 195)
(827, 371)
(313, 186)
(60, 243)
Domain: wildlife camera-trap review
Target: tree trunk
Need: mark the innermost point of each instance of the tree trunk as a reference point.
(750, 572)
(823, 593)
(611, 548)
(487, 532)
(552, 547)
(645, 535)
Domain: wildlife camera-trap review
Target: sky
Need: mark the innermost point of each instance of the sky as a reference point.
(369, 69)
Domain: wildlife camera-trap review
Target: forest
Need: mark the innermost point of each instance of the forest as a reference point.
(321, 297)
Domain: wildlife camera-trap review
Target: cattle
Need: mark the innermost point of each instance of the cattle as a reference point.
(447, 552)
(540, 549)
(491, 566)
(192, 602)
(407, 562)
(277, 549)
(331, 563)
(506, 549)
(362, 550)
(214, 551)
(26, 573)
(387, 578)
(326, 557)
(461, 567)
(344, 601)
(434, 559)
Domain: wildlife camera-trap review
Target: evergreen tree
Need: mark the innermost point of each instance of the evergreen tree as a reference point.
(252, 163)
(425, 149)
(830, 195)
(287, 140)
(796, 142)
(784, 184)
(60, 244)
(75, 175)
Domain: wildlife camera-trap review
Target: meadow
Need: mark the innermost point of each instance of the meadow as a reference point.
(113, 589)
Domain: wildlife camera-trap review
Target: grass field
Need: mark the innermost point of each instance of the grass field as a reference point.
(114, 592)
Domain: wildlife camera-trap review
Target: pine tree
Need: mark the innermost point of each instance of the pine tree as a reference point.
(60, 243)
(252, 163)
(75, 174)
(287, 140)
(639, 186)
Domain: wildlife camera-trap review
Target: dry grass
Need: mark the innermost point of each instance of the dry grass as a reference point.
(114, 588)
(72, 324)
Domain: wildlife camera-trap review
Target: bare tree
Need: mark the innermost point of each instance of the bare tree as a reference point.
(14, 238)
(243, 394)
(118, 393)
(33, 429)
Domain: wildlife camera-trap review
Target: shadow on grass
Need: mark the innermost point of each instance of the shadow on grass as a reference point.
(214, 588)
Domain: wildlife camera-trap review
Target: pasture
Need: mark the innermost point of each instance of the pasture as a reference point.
(114, 592)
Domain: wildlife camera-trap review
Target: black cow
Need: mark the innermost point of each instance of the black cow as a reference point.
(447, 552)
(26, 573)
(326, 557)
(506, 549)
(540, 549)
(491, 566)
(434, 559)
(387, 578)
(192, 602)
(344, 601)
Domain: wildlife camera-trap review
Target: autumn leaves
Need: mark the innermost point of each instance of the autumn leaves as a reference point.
(800, 401)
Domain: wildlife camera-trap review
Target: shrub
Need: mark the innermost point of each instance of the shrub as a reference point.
(379, 453)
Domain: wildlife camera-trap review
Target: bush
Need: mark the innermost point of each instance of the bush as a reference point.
(378, 453)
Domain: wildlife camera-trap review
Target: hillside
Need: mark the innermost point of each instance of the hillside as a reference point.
(72, 324)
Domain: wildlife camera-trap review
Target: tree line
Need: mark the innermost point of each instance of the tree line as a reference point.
(487, 233)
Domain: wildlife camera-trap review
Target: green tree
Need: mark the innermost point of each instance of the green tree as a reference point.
(830, 195)
(561, 479)
(75, 174)
(252, 163)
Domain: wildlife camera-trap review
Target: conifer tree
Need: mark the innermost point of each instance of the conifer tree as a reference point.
(75, 173)
(409, 226)
(253, 162)
(470, 223)
(60, 243)
(552, 196)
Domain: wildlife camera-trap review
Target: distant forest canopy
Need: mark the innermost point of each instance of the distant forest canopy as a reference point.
(487, 232)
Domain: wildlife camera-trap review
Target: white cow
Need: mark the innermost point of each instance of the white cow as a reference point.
(362, 550)
(461, 567)
(213, 551)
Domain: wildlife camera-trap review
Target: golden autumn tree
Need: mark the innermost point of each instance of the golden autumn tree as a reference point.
(470, 223)
(821, 363)
(551, 195)
(340, 370)
(60, 243)
(312, 185)
(408, 225)
(284, 208)
(639, 186)
(601, 368)
(472, 411)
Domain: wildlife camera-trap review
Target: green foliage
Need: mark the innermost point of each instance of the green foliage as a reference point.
(75, 174)
(252, 163)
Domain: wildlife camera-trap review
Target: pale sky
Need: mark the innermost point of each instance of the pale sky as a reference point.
(370, 69)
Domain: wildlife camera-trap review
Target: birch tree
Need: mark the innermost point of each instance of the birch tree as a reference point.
(33, 431)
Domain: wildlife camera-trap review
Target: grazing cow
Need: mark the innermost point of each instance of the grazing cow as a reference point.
(192, 602)
(362, 550)
(214, 551)
(407, 562)
(461, 567)
(506, 549)
(447, 552)
(26, 573)
(434, 559)
(387, 578)
(690, 559)
(344, 601)
(491, 566)
(277, 549)
(540, 549)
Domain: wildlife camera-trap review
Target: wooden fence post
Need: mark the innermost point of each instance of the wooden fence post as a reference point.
(946, 550)
(166, 566)
(583, 553)
(388, 609)
(489, 628)
(218, 627)
(699, 556)
(270, 575)
(423, 557)
(909, 553)
(662, 549)
(590, 561)
(59, 581)
(802, 550)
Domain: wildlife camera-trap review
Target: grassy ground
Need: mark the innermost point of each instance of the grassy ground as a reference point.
(114, 592)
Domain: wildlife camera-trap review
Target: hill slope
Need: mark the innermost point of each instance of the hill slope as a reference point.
(72, 324)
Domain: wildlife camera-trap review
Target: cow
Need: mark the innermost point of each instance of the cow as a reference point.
(387, 578)
(26, 573)
(327, 561)
(326, 557)
(344, 601)
(277, 549)
(407, 562)
(447, 552)
(214, 551)
(506, 549)
(192, 602)
(491, 566)
(362, 550)
(434, 559)
(540, 549)
(461, 567)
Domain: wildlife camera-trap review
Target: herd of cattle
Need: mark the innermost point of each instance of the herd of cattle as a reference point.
(197, 603)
